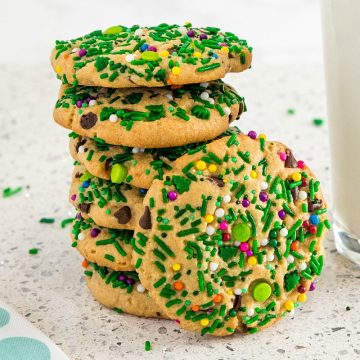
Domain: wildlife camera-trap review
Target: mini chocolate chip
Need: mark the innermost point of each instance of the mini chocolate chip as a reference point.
(108, 164)
(217, 181)
(290, 161)
(78, 175)
(88, 120)
(123, 215)
(314, 205)
(295, 193)
(84, 207)
(80, 143)
(145, 220)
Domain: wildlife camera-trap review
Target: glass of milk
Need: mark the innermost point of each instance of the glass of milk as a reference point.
(341, 33)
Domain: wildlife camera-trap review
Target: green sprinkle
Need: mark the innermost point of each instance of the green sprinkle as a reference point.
(147, 345)
(208, 67)
(201, 280)
(33, 251)
(7, 192)
(66, 222)
(47, 220)
(318, 121)
(164, 246)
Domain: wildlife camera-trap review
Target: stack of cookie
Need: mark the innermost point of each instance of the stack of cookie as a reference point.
(181, 216)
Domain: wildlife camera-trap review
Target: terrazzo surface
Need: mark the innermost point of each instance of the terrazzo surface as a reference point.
(48, 288)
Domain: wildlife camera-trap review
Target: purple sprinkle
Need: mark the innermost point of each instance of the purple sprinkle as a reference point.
(263, 196)
(172, 195)
(95, 232)
(245, 203)
(122, 277)
(203, 36)
(312, 286)
(191, 33)
(78, 216)
(151, 48)
(73, 197)
(82, 52)
(79, 104)
(130, 281)
(249, 253)
(282, 214)
(252, 134)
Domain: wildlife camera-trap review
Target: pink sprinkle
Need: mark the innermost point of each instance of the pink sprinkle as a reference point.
(301, 164)
(282, 156)
(223, 225)
(244, 247)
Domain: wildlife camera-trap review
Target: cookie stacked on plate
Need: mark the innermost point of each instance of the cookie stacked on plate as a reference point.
(181, 216)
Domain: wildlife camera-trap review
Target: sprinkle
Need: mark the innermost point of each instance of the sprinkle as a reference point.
(213, 266)
(176, 267)
(7, 192)
(176, 70)
(47, 220)
(212, 168)
(318, 122)
(200, 165)
(66, 222)
(129, 58)
(147, 345)
(33, 251)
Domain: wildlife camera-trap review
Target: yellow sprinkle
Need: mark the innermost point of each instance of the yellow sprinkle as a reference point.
(164, 53)
(212, 168)
(296, 176)
(230, 292)
(58, 69)
(200, 165)
(289, 305)
(252, 260)
(253, 174)
(262, 136)
(225, 180)
(301, 298)
(197, 54)
(176, 267)
(209, 218)
(204, 322)
(225, 49)
(176, 70)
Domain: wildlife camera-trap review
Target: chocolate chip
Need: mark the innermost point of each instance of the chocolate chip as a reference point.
(295, 193)
(78, 175)
(290, 161)
(145, 220)
(314, 205)
(123, 215)
(236, 303)
(80, 143)
(84, 207)
(88, 120)
(217, 181)
(108, 164)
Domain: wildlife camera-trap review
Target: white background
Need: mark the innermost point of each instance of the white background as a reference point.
(281, 31)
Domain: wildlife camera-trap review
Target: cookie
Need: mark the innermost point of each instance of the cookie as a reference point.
(149, 118)
(122, 57)
(105, 247)
(121, 291)
(115, 206)
(141, 166)
(236, 236)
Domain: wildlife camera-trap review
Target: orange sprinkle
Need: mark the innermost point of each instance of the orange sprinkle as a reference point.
(84, 263)
(217, 298)
(66, 56)
(169, 82)
(195, 308)
(178, 285)
(294, 246)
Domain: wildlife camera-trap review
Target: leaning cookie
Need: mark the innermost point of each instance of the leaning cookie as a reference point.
(236, 236)
(150, 56)
(103, 246)
(115, 206)
(149, 118)
(135, 166)
(121, 291)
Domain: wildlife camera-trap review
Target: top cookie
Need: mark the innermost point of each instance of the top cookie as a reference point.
(151, 56)
(236, 236)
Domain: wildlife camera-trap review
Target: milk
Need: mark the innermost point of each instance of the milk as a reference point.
(341, 33)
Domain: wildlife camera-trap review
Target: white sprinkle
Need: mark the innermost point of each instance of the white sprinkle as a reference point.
(129, 57)
(74, 50)
(219, 212)
(210, 230)
(264, 242)
(292, 312)
(213, 266)
(290, 259)
(302, 266)
(81, 236)
(113, 118)
(204, 95)
(227, 198)
(237, 291)
(211, 101)
(227, 110)
(169, 96)
(92, 102)
(140, 288)
(27, 195)
(135, 150)
(284, 232)
(81, 149)
(250, 312)
(182, 29)
(204, 85)
(302, 195)
(264, 185)
(237, 243)
(138, 32)
(270, 257)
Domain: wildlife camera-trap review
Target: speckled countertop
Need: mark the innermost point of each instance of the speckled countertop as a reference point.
(48, 288)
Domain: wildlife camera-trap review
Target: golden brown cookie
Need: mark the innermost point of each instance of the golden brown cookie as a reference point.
(115, 206)
(103, 246)
(141, 166)
(147, 117)
(122, 57)
(121, 291)
(236, 236)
